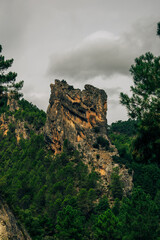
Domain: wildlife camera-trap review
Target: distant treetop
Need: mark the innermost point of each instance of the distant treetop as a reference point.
(158, 28)
(8, 80)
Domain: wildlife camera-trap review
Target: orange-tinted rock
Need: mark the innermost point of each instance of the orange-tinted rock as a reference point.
(80, 117)
(12, 103)
(73, 114)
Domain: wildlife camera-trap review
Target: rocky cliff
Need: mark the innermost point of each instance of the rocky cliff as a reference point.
(19, 126)
(9, 228)
(21, 116)
(7, 119)
(74, 115)
(80, 117)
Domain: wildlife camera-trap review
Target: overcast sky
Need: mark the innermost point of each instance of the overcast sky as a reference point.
(81, 41)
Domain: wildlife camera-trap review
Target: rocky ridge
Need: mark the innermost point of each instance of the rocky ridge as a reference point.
(80, 117)
(73, 114)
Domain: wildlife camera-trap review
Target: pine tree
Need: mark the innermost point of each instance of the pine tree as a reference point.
(144, 105)
(8, 82)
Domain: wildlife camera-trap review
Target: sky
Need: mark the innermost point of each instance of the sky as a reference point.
(82, 41)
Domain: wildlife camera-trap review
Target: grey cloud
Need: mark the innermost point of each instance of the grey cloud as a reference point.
(14, 16)
(103, 54)
(113, 102)
(113, 91)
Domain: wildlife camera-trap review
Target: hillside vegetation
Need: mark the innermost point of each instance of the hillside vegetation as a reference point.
(57, 197)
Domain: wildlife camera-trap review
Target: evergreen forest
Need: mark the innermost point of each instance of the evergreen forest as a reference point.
(56, 197)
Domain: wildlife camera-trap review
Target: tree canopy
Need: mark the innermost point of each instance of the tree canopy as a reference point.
(144, 105)
(158, 28)
(8, 79)
(59, 197)
(146, 90)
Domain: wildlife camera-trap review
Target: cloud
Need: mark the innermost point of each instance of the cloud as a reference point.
(104, 54)
(14, 16)
(113, 91)
(113, 103)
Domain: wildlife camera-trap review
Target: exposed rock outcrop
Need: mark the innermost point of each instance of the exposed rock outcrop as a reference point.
(80, 117)
(9, 228)
(12, 103)
(74, 114)
(21, 127)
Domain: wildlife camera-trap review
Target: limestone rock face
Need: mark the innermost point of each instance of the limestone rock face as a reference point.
(20, 130)
(80, 117)
(21, 127)
(12, 103)
(9, 228)
(74, 115)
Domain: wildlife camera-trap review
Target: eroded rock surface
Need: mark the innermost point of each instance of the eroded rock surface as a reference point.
(21, 127)
(74, 114)
(9, 228)
(80, 117)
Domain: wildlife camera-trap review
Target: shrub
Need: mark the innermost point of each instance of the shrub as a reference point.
(98, 156)
(116, 184)
(96, 129)
(96, 145)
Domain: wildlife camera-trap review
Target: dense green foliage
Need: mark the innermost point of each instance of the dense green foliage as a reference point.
(3, 104)
(145, 175)
(140, 212)
(144, 105)
(116, 184)
(40, 188)
(128, 128)
(139, 217)
(106, 226)
(121, 135)
(30, 113)
(158, 29)
(56, 197)
(101, 142)
(147, 142)
(146, 90)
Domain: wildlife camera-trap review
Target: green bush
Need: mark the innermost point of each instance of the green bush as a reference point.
(116, 184)
(104, 143)
(96, 145)
(31, 114)
(96, 129)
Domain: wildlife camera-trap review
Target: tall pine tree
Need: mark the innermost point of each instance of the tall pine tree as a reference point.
(8, 82)
(144, 105)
